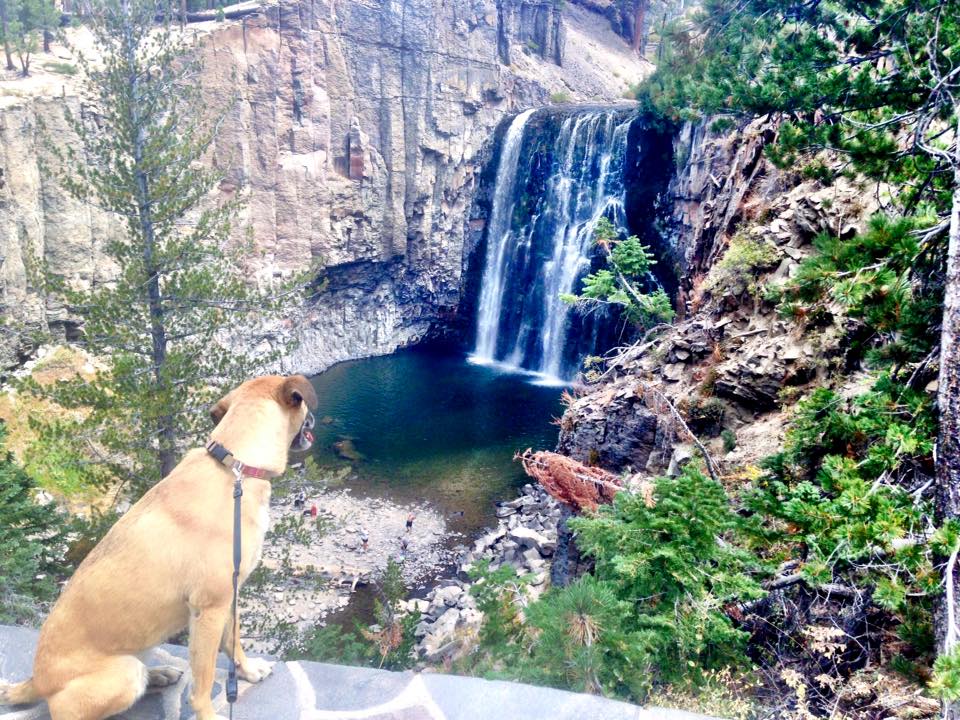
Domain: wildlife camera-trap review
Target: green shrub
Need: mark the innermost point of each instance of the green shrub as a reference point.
(496, 593)
(292, 528)
(837, 491)
(31, 544)
(579, 640)
(729, 438)
(627, 282)
(870, 277)
(560, 98)
(736, 272)
(665, 562)
(946, 676)
(651, 612)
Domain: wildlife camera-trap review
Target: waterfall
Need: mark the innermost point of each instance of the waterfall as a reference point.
(558, 175)
(491, 293)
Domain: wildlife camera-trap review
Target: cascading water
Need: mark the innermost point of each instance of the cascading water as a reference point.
(554, 182)
(491, 293)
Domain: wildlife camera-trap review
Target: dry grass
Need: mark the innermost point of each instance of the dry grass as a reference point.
(722, 694)
(18, 409)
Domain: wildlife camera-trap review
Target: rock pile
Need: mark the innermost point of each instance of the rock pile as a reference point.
(525, 538)
(450, 621)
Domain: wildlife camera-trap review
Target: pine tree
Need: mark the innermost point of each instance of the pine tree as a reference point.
(5, 12)
(169, 322)
(626, 283)
(30, 535)
(24, 23)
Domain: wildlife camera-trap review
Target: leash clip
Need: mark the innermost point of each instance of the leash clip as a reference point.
(237, 469)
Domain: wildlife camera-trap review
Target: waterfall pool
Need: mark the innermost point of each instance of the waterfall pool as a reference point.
(424, 425)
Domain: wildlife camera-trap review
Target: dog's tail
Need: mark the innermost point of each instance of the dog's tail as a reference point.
(18, 694)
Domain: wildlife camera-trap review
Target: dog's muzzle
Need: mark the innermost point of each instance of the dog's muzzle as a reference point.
(304, 437)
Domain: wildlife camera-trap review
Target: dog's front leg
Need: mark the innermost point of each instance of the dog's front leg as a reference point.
(250, 669)
(206, 630)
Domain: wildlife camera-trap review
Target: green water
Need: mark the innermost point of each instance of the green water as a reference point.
(432, 427)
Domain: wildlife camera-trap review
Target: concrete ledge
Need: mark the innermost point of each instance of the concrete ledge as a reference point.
(317, 691)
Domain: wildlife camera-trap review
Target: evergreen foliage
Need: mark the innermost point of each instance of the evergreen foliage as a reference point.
(666, 562)
(31, 539)
(626, 282)
(844, 75)
(841, 495)
(24, 25)
(181, 302)
(580, 641)
(736, 272)
(651, 612)
(871, 277)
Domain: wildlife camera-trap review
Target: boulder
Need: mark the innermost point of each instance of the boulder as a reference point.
(526, 537)
(489, 539)
(531, 556)
(613, 429)
(447, 595)
(440, 640)
(754, 381)
(682, 454)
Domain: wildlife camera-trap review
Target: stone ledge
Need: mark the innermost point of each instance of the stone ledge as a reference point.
(317, 691)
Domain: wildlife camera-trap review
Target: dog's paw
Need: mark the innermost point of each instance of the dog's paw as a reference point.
(163, 676)
(255, 670)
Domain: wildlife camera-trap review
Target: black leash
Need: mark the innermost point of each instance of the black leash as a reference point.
(232, 672)
(239, 470)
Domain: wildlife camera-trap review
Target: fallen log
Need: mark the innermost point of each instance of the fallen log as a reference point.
(571, 482)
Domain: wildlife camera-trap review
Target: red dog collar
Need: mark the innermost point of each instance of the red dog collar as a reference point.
(225, 457)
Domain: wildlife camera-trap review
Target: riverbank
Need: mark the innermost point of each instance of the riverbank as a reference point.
(314, 561)
(315, 569)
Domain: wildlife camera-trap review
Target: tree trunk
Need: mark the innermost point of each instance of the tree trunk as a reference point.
(183, 13)
(47, 39)
(4, 27)
(639, 21)
(946, 617)
(166, 437)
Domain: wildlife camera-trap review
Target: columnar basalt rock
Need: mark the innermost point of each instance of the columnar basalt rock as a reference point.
(356, 139)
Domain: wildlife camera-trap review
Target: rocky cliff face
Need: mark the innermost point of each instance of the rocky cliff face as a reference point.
(357, 141)
(731, 362)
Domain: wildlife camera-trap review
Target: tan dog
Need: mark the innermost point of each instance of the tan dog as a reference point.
(167, 565)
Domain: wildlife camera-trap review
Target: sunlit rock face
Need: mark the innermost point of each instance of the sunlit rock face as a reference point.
(356, 140)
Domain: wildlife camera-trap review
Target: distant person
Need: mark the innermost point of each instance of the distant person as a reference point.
(410, 519)
(404, 544)
(364, 542)
(300, 500)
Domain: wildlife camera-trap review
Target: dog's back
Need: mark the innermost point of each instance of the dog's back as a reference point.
(132, 591)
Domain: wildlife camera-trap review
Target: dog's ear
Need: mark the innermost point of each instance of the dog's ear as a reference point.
(218, 410)
(297, 389)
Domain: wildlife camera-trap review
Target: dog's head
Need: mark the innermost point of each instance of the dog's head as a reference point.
(287, 398)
